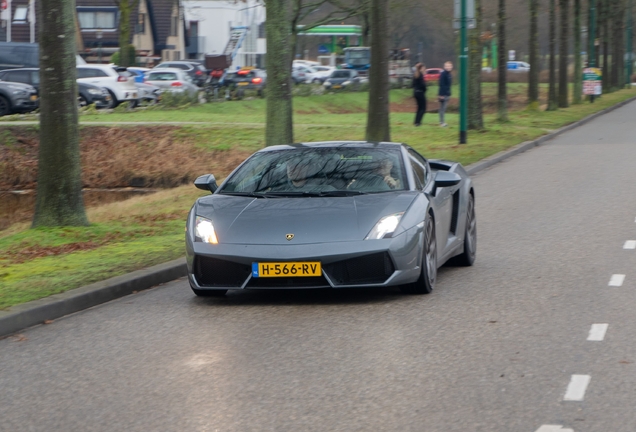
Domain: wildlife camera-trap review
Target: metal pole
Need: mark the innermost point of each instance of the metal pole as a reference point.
(591, 56)
(630, 35)
(463, 81)
(9, 20)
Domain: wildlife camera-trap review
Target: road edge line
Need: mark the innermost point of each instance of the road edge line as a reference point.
(477, 167)
(32, 313)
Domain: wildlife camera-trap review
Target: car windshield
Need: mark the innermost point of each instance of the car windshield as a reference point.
(332, 171)
(162, 76)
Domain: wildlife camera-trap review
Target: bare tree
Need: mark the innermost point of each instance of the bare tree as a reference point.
(282, 28)
(563, 53)
(552, 93)
(502, 65)
(475, 108)
(378, 122)
(59, 190)
(533, 48)
(578, 63)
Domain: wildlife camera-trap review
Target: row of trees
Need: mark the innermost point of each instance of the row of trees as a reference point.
(610, 20)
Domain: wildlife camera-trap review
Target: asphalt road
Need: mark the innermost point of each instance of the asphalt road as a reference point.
(493, 349)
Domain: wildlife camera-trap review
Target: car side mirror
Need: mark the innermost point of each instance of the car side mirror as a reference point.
(446, 179)
(206, 182)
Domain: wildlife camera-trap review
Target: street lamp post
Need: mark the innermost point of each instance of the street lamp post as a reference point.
(591, 55)
(99, 44)
(463, 80)
(630, 36)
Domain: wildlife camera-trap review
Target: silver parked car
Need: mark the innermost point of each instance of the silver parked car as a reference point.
(172, 80)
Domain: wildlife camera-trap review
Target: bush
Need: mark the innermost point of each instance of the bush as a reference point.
(116, 57)
(178, 99)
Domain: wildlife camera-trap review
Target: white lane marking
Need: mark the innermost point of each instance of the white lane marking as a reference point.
(597, 332)
(617, 280)
(630, 244)
(553, 428)
(576, 388)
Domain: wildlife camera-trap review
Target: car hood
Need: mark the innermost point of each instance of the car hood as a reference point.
(17, 86)
(244, 220)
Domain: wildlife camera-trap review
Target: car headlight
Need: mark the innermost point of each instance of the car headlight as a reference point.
(95, 91)
(386, 225)
(20, 92)
(204, 231)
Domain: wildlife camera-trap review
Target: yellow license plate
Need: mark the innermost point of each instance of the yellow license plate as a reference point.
(34, 97)
(243, 83)
(337, 86)
(286, 269)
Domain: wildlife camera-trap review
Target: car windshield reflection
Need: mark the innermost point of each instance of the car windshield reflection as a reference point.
(301, 172)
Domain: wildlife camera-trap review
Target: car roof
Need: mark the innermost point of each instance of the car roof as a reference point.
(164, 70)
(334, 144)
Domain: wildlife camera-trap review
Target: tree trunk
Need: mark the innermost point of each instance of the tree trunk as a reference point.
(563, 53)
(605, 44)
(279, 127)
(502, 64)
(533, 76)
(378, 122)
(126, 8)
(59, 190)
(552, 93)
(475, 109)
(578, 64)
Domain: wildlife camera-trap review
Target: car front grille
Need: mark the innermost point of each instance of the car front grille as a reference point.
(214, 272)
(288, 282)
(368, 269)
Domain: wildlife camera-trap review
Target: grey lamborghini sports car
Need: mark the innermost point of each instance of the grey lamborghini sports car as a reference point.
(331, 215)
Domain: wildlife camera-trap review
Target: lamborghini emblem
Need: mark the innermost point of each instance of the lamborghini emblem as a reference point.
(289, 237)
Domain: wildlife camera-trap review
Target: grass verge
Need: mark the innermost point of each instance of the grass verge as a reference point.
(148, 230)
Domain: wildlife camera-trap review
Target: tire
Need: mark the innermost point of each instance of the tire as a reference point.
(5, 106)
(113, 100)
(467, 257)
(81, 101)
(209, 293)
(426, 282)
(132, 104)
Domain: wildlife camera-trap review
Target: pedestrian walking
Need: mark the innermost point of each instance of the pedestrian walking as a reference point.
(445, 83)
(419, 93)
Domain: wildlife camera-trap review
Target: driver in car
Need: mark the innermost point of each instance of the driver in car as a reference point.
(303, 176)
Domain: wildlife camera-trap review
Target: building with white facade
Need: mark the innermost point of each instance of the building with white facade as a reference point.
(210, 23)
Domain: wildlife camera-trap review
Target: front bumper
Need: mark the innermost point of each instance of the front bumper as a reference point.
(368, 263)
(25, 104)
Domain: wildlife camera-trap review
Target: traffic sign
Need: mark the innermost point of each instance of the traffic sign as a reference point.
(470, 23)
(322, 49)
(470, 10)
(4, 4)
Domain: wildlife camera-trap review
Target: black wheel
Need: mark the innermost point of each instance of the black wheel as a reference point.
(467, 258)
(5, 106)
(133, 103)
(81, 101)
(113, 100)
(426, 281)
(209, 293)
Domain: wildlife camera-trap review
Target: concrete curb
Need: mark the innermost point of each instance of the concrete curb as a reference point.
(36, 312)
(520, 148)
(29, 314)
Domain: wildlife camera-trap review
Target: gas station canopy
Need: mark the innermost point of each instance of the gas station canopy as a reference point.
(332, 30)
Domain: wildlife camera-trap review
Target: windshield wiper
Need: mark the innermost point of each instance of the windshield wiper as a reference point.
(334, 193)
(341, 193)
(251, 194)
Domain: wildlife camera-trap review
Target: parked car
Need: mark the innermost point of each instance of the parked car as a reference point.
(148, 93)
(17, 98)
(342, 78)
(309, 72)
(247, 79)
(518, 66)
(172, 80)
(432, 74)
(306, 63)
(321, 73)
(23, 55)
(87, 94)
(298, 75)
(116, 80)
(195, 70)
(138, 72)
